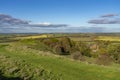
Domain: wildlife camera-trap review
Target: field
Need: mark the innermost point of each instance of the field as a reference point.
(108, 38)
(19, 62)
(33, 37)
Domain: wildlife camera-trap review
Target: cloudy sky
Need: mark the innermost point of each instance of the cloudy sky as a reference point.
(47, 16)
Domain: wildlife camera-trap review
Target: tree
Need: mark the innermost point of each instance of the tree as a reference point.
(84, 49)
(114, 51)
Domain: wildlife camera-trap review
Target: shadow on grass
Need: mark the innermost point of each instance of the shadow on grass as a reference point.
(7, 78)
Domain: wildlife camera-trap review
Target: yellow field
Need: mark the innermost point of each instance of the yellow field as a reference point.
(32, 37)
(108, 38)
(80, 38)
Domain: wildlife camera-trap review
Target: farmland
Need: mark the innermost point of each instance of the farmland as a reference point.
(107, 38)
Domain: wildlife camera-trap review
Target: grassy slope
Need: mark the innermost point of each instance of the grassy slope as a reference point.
(69, 69)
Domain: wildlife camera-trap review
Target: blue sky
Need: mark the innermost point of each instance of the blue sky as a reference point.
(77, 14)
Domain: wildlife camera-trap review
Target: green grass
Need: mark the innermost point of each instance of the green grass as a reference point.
(64, 68)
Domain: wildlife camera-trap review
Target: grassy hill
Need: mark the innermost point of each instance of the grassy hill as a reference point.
(17, 60)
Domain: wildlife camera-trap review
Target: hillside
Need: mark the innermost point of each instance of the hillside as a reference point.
(20, 61)
(59, 57)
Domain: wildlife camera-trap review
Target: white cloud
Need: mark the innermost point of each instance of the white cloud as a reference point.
(41, 23)
(45, 23)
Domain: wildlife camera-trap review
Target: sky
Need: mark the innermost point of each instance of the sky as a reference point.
(47, 16)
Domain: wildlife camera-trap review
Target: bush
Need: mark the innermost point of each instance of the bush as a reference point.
(84, 49)
(78, 56)
(61, 46)
(104, 59)
(114, 51)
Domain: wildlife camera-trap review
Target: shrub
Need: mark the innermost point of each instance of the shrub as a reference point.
(78, 56)
(60, 46)
(50, 41)
(104, 59)
(59, 50)
(114, 51)
(84, 49)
